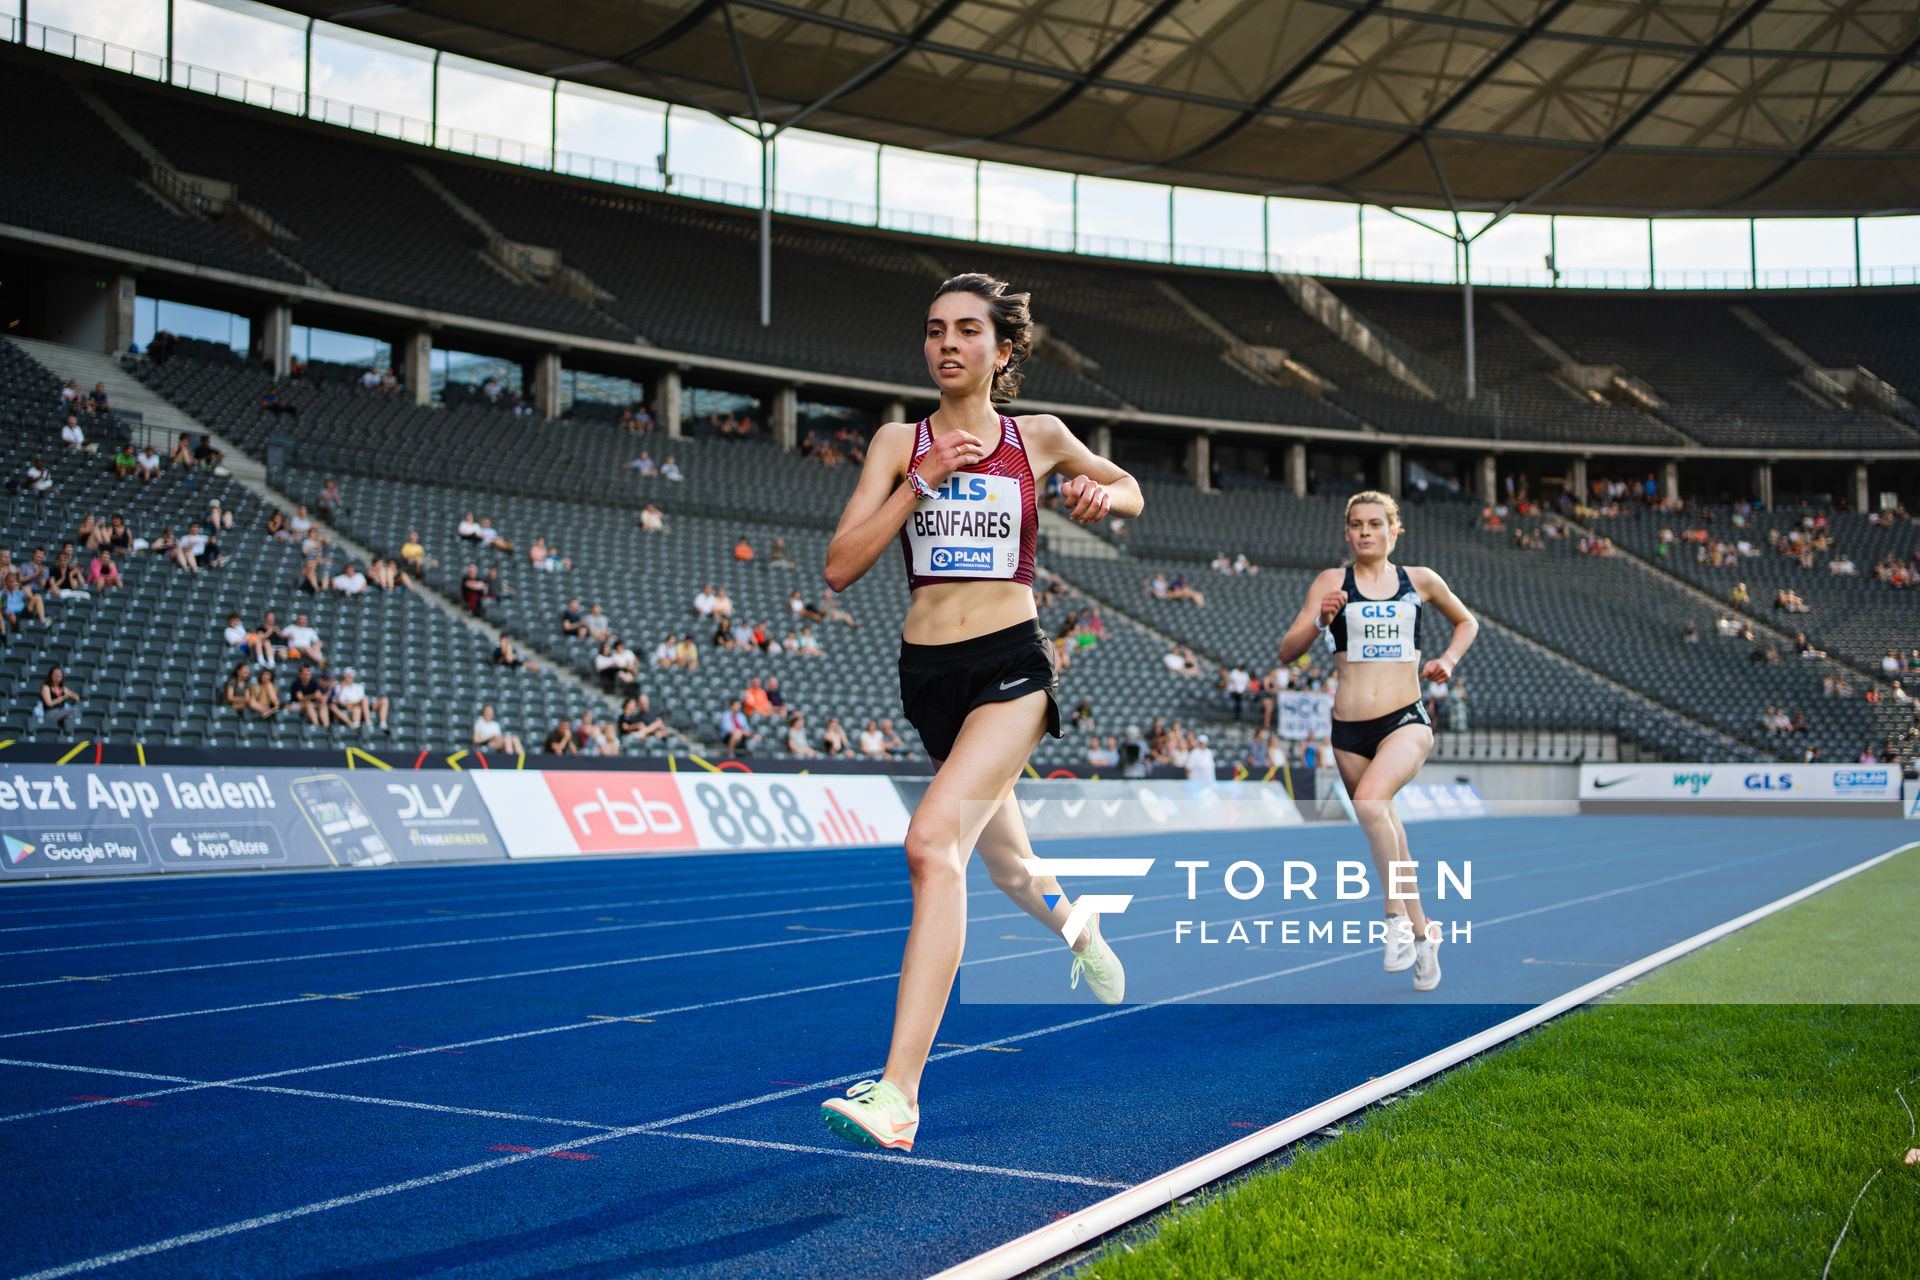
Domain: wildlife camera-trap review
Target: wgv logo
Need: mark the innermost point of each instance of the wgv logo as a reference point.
(945, 558)
(1087, 905)
(634, 817)
(415, 805)
(1769, 782)
(964, 488)
(1693, 782)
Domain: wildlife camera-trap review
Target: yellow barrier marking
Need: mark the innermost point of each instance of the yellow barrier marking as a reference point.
(989, 1048)
(710, 768)
(453, 761)
(521, 761)
(369, 757)
(140, 752)
(672, 765)
(1032, 772)
(7, 743)
(71, 754)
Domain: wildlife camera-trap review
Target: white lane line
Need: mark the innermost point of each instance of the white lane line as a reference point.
(417, 900)
(912, 1161)
(402, 923)
(271, 1219)
(1835, 1251)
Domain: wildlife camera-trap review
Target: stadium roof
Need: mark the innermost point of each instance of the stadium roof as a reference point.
(1569, 106)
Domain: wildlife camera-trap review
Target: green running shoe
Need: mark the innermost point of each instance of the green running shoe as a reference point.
(1101, 968)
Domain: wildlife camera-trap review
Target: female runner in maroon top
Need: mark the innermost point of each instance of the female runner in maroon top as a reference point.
(976, 671)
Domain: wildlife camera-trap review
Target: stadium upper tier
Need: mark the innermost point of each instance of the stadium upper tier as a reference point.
(374, 219)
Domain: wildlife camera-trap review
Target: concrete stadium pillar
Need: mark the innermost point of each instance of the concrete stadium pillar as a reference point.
(547, 378)
(1763, 484)
(786, 417)
(894, 411)
(1577, 478)
(666, 402)
(276, 338)
(1200, 460)
(416, 365)
(1488, 477)
(1861, 489)
(1102, 441)
(1670, 481)
(121, 293)
(1391, 465)
(1297, 469)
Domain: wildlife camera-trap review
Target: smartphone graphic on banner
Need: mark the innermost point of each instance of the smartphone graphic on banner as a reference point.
(341, 821)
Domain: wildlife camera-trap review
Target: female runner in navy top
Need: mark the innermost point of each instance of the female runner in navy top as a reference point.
(1370, 610)
(976, 671)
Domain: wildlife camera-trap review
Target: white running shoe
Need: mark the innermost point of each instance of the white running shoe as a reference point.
(1426, 961)
(1105, 976)
(1399, 943)
(873, 1114)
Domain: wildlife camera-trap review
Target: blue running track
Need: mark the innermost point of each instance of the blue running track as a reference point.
(612, 1067)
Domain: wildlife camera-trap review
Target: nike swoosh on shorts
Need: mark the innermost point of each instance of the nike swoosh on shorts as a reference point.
(1008, 684)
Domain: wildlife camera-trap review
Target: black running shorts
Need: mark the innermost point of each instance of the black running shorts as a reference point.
(1363, 737)
(941, 683)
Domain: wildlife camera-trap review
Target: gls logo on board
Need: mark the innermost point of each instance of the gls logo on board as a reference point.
(1769, 782)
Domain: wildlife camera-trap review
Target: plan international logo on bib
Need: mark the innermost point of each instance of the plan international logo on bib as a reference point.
(947, 559)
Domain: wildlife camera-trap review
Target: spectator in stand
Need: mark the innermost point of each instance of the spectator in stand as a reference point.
(666, 654)
(797, 744)
(671, 469)
(271, 402)
(489, 736)
(1238, 681)
(75, 437)
(594, 738)
(234, 694)
(778, 557)
(97, 400)
(1181, 662)
(355, 705)
(723, 605)
(1199, 763)
(263, 696)
(473, 591)
(65, 579)
(573, 620)
(181, 455)
(35, 574)
(560, 741)
(103, 574)
(506, 655)
(754, 700)
(350, 582)
(596, 624)
(1740, 596)
(39, 478)
(413, 553)
(831, 610)
(200, 545)
(809, 647)
(743, 550)
(896, 745)
(834, 741)
(644, 465)
(16, 602)
(652, 520)
(251, 643)
(689, 653)
(873, 743)
(308, 697)
(304, 642)
(775, 698)
(616, 665)
(1102, 755)
(704, 600)
(146, 465)
(638, 723)
(491, 538)
(734, 730)
(388, 576)
(543, 558)
(468, 530)
(58, 701)
(124, 460)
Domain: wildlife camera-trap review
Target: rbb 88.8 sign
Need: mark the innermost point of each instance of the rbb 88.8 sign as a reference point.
(745, 811)
(732, 812)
